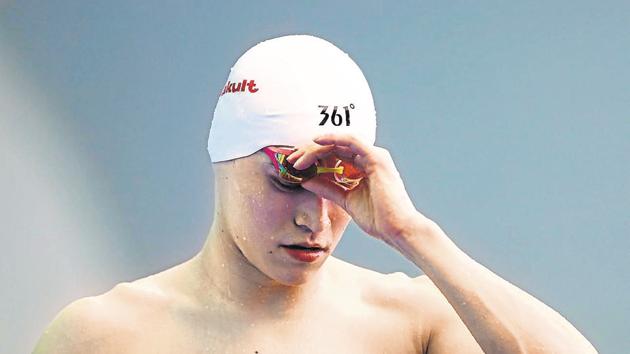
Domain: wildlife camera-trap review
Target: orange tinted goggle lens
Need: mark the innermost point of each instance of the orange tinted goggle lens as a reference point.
(345, 174)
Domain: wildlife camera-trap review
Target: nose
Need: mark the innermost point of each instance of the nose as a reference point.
(312, 214)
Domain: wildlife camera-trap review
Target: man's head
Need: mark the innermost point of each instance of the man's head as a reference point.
(262, 214)
(283, 92)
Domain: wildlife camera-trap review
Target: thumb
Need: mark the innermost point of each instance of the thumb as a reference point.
(324, 188)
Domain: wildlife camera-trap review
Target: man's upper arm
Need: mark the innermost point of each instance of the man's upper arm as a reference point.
(78, 328)
(448, 334)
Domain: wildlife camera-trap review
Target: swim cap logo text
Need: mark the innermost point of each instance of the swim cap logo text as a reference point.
(335, 118)
(231, 87)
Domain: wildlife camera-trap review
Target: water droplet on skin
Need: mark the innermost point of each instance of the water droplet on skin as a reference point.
(222, 265)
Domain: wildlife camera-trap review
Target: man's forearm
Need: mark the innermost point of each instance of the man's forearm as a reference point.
(501, 317)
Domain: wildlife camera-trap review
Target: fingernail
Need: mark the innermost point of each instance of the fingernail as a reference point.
(297, 164)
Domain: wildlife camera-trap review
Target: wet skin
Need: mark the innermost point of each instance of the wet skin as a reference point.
(243, 293)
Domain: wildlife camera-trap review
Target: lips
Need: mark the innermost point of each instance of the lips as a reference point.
(303, 254)
(304, 245)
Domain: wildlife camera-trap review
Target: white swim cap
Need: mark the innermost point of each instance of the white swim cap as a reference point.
(287, 91)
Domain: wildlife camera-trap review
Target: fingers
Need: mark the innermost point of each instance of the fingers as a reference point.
(345, 147)
(340, 152)
(324, 188)
(295, 155)
(306, 156)
(353, 143)
(343, 152)
(367, 157)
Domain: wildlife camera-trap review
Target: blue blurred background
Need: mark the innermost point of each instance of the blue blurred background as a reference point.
(509, 122)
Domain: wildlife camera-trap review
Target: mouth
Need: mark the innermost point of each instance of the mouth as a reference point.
(305, 248)
(306, 254)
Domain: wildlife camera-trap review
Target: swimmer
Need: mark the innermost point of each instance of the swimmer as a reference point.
(294, 161)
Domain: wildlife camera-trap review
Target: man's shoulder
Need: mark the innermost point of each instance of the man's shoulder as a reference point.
(393, 290)
(414, 303)
(95, 323)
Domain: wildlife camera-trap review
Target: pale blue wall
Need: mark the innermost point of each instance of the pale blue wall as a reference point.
(509, 121)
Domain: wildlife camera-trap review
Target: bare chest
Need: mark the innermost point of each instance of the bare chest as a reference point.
(347, 333)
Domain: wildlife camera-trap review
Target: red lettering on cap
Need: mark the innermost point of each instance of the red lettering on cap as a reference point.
(251, 86)
(231, 87)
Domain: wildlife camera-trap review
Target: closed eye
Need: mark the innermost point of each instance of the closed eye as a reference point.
(287, 187)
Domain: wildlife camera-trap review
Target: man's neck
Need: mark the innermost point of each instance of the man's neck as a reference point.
(227, 277)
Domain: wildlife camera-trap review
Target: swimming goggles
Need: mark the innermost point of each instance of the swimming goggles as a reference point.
(344, 173)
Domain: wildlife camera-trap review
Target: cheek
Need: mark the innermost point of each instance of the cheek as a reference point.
(264, 209)
(339, 219)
